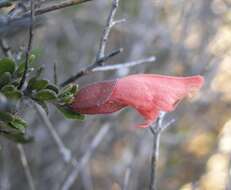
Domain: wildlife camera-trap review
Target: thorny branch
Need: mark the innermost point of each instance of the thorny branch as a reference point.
(29, 44)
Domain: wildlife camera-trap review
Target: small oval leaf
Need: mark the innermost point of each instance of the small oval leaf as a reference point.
(6, 117)
(14, 95)
(18, 123)
(35, 84)
(8, 88)
(45, 95)
(53, 87)
(69, 114)
(5, 79)
(6, 65)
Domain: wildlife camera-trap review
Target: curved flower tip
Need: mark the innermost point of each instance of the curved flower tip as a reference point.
(147, 93)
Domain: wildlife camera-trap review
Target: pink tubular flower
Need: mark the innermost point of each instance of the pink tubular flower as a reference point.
(147, 93)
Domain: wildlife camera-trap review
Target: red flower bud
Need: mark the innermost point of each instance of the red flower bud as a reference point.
(147, 93)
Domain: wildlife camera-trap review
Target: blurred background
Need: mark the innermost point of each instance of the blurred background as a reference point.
(187, 38)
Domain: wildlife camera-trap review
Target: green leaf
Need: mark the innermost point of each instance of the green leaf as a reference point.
(21, 65)
(6, 117)
(11, 92)
(71, 88)
(65, 98)
(6, 65)
(53, 87)
(5, 79)
(67, 94)
(45, 95)
(32, 58)
(20, 70)
(69, 114)
(35, 84)
(18, 123)
(8, 88)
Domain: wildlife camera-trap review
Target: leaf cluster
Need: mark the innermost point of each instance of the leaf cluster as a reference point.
(37, 89)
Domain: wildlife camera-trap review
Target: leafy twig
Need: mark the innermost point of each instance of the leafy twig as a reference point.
(29, 44)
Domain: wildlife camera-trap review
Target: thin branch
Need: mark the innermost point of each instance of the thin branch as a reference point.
(51, 8)
(154, 160)
(100, 56)
(55, 77)
(58, 6)
(29, 45)
(156, 130)
(89, 68)
(125, 65)
(126, 178)
(86, 178)
(107, 29)
(86, 157)
(119, 21)
(64, 151)
(26, 167)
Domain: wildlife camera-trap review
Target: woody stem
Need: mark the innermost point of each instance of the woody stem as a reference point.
(154, 159)
(156, 130)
